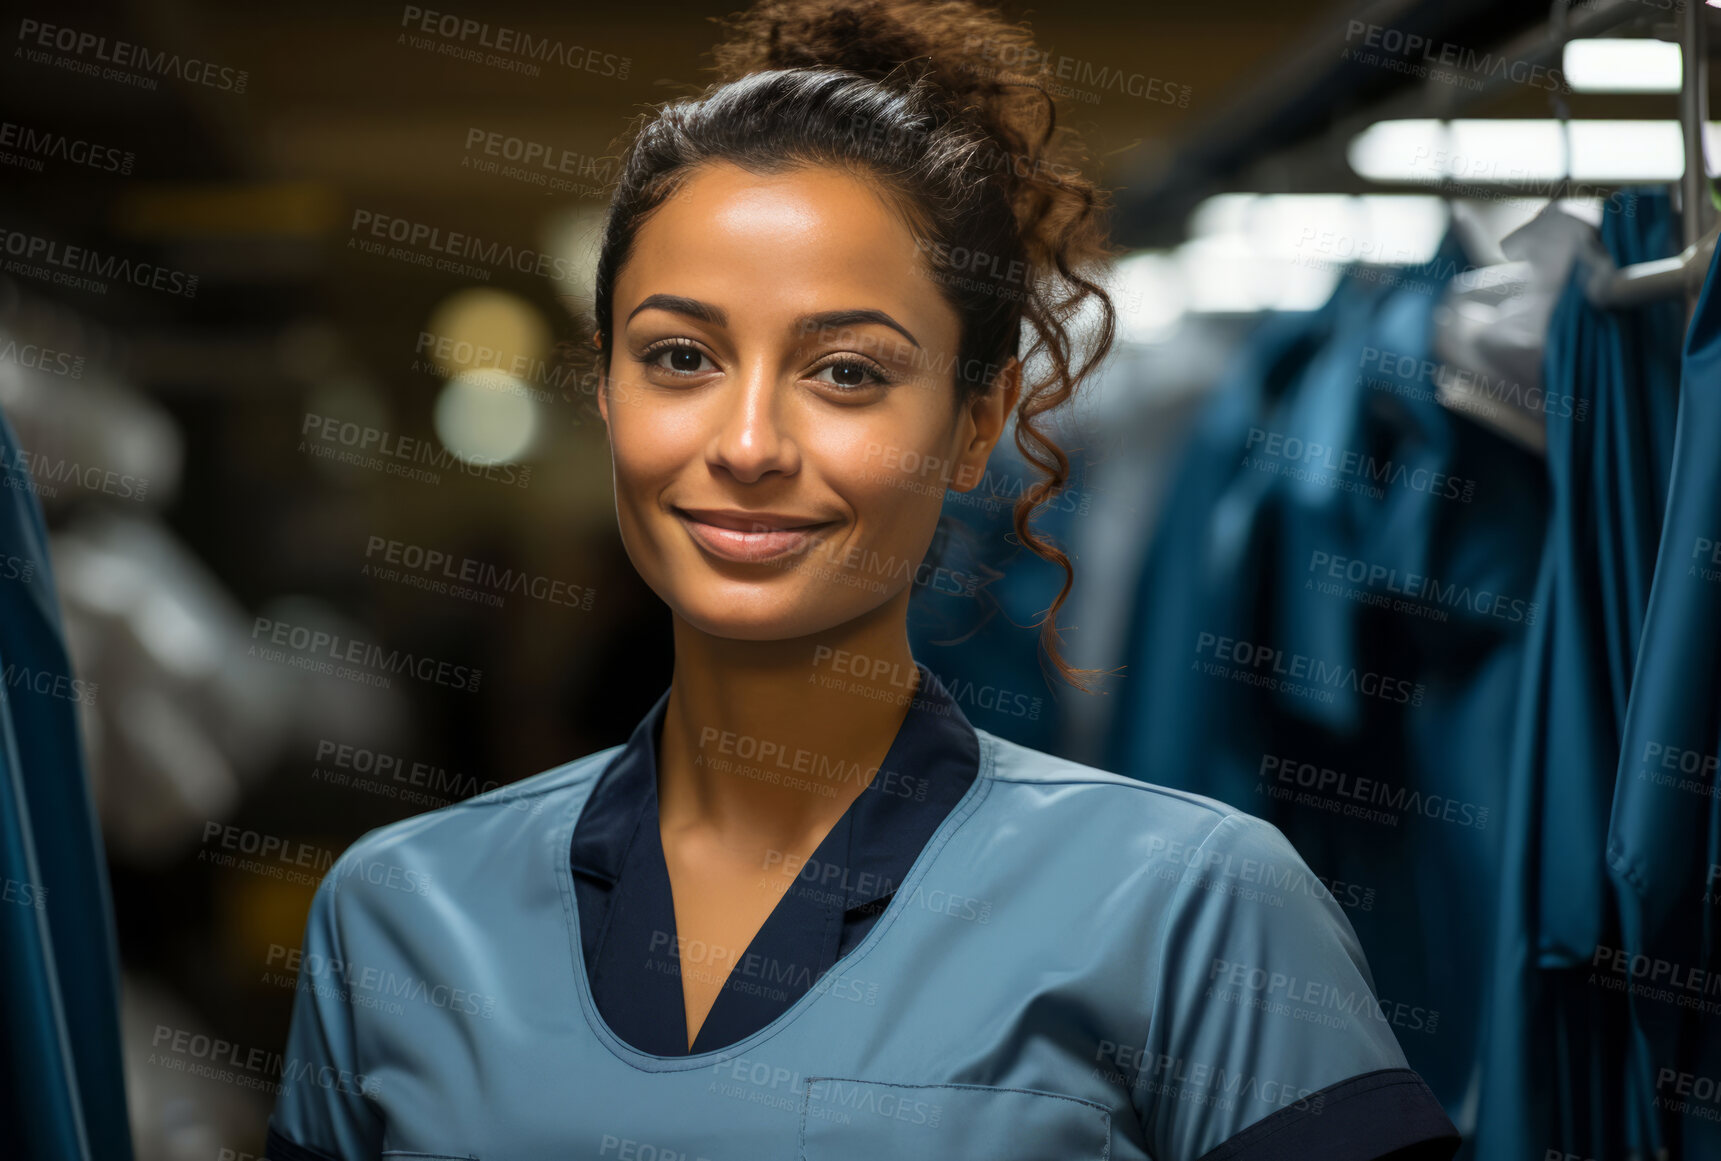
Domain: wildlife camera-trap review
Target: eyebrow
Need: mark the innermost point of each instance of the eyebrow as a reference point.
(717, 316)
(834, 319)
(677, 304)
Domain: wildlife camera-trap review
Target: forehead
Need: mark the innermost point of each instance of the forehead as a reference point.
(809, 239)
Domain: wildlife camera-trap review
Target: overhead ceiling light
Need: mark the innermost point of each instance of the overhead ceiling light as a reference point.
(1609, 65)
(1251, 252)
(1516, 151)
(486, 417)
(479, 327)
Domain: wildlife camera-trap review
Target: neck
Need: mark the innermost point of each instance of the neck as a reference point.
(767, 742)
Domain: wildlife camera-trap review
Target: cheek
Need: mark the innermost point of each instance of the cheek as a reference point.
(892, 469)
(648, 443)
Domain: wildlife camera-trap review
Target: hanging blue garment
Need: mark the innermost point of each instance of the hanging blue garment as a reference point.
(62, 1086)
(1556, 1031)
(974, 617)
(1664, 840)
(1330, 632)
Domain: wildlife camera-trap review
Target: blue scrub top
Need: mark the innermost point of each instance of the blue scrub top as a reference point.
(1073, 964)
(621, 881)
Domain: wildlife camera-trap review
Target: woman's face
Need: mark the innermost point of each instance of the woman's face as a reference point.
(781, 403)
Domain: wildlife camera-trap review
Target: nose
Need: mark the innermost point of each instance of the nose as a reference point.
(751, 437)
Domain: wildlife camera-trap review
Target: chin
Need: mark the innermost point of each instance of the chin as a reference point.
(765, 617)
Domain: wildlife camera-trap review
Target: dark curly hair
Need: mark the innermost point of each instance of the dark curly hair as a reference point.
(911, 96)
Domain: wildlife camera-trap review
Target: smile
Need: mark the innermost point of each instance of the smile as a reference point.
(749, 537)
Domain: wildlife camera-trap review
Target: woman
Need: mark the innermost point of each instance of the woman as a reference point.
(808, 910)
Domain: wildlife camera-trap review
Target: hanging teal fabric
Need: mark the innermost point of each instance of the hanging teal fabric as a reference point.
(981, 592)
(62, 1086)
(1664, 841)
(1556, 1031)
(1330, 635)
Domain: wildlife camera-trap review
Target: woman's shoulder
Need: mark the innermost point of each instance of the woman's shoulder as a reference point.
(1140, 819)
(473, 826)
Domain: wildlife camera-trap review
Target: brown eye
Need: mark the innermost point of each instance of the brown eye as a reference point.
(851, 375)
(677, 359)
(848, 374)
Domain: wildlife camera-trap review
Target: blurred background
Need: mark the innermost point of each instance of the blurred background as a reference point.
(264, 408)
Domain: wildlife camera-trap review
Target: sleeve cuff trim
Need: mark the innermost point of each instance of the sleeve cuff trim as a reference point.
(1373, 1116)
(279, 1148)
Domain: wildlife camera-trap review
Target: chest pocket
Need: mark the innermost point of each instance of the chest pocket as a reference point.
(866, 1120)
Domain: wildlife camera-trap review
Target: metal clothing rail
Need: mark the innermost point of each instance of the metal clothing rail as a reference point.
(1644, 282)
(1608, 286)
(1682, 274)
(1228, 151)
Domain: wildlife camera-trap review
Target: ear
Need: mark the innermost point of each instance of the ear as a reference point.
(986, 416)
(603, 383)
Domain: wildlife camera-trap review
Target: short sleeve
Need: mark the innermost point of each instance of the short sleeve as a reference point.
(1267, 1041)
(323, 1112)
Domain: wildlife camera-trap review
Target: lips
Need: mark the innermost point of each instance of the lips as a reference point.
(749, 537)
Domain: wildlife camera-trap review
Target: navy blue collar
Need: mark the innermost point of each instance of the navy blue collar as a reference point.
(627, 935)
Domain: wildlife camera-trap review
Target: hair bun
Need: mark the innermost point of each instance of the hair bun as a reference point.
(957, 46)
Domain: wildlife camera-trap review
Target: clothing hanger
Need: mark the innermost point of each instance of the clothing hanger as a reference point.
(1492, 323)
(1683, 273)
